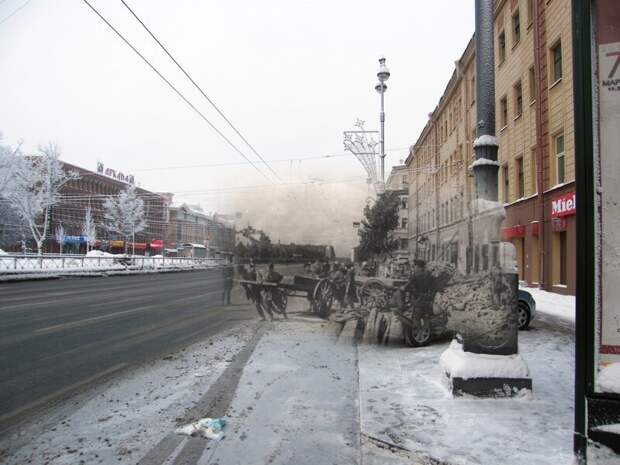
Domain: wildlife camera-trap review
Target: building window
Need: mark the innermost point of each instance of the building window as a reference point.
(403, 223)
(559, 158)
(530, 11)
(503, 105)
(518, 99)
(520, 177)
(473, 89)
(506, 183)
(502, 47)
(556, 62)
(405, 180)
(532, 83)
(516, 28)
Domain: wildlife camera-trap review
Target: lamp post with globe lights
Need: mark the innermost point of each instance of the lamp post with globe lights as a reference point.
(383, 74)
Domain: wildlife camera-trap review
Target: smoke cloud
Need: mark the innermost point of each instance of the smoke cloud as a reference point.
(311, 213)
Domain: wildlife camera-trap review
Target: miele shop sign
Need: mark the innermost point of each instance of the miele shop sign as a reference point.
(563, 205)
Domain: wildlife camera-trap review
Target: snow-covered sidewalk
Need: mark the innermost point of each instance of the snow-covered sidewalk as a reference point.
(550, 303)
(405, 403)
(296, 402)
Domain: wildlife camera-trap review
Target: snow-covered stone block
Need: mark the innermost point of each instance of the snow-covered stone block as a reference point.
(458, 363)
(484, 375)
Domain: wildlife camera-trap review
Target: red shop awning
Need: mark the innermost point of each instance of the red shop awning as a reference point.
(157, 244)
(512, 232)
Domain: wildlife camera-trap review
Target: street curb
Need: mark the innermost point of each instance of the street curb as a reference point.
(10, 278)
(348, 335)
(25, 278)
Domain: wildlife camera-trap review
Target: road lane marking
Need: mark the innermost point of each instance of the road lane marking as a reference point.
(88, 321)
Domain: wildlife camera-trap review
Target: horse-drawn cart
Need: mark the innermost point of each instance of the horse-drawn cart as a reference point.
(416, 323)
(318, 291)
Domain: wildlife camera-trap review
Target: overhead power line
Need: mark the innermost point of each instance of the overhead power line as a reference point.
(174, 88)
(15, 11)
(200, 90)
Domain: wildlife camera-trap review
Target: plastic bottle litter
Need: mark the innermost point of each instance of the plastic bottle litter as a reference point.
(210, 428)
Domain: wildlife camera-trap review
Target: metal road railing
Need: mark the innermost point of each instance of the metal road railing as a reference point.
(10, 264)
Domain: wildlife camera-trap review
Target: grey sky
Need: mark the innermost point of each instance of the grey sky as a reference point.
(291, 75)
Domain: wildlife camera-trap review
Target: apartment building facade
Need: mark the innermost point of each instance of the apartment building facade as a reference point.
(398, 181)
(189, 224)
(534, 122)
(91, 189)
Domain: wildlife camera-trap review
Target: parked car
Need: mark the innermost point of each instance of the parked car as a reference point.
(526, 309)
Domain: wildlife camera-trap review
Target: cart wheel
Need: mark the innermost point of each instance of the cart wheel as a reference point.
(419, 334)
(373, 289)
(323, 297)
(381, 327)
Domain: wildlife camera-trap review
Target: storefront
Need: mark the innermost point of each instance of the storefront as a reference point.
(156, 247)
(549, 245)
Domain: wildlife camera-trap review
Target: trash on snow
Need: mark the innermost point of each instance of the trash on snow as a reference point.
(210, 428)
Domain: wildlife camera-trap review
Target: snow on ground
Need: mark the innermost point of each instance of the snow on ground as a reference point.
(296, 402)
(404, 402)
(608, 378)
(33, 267)
(460, 364)
(98, 253)
(551, 303)
(127, 416)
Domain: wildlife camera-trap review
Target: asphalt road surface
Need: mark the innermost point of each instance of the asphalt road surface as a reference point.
(57, 337)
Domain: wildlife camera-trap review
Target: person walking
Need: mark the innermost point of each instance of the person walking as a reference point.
(229, 274)
(350, 294)
(271, 296)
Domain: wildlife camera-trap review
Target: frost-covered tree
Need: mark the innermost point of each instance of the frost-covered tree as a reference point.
(124, 214)
(59, 235)
(36, 185)
(9, 159)
(89, 229)
(12, 227)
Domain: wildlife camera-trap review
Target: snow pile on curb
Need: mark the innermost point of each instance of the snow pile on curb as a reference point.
(2, 252)
(609, 378)
(457, 363)
(99, 253)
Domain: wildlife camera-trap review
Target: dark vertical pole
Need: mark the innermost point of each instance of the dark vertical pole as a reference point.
(584, 179)
(485, 165)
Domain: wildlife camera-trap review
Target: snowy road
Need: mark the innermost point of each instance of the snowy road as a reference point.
(57, 337)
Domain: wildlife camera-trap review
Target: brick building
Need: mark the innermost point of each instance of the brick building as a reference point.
(398, 181)
(189, 224)
(534, 121)
(91, 189)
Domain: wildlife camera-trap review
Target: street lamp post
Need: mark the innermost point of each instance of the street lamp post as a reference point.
(383, 74)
